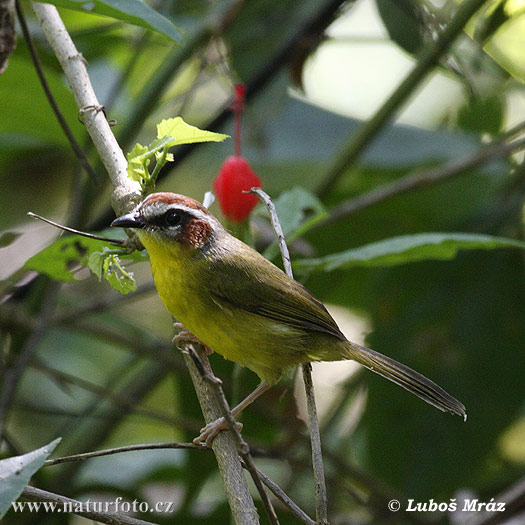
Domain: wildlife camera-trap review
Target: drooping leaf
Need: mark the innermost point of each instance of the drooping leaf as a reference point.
(16, 472)
(406, 249)
(183, 133)
(65, 254)
(134, 12)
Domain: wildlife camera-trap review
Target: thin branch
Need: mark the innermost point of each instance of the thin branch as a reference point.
(74, 506)
(11, 375)
(79, 152)
(223, 446)
(285, 499)
(126, 193)
(119, 400)
(118, 450)
(274, 487)
(427, 61)
(321, 505)
(242, 446)
(422, 179)
(117, 242)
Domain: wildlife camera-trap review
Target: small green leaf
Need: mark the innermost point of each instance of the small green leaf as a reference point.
(116, 275)
(16, 472)
(64, 255)
(7, 238)
(134, 12)
(96, 263)
(406, 249)
(138, 163)
(181, 133)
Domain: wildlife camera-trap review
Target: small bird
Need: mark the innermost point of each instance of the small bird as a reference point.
(245, 308)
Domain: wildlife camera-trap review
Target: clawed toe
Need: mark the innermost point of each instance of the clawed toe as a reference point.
(211, 430)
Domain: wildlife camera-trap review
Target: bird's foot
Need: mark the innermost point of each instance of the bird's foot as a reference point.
(211, 430)
(185, 336)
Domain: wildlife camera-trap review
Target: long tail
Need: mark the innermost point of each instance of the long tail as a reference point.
(407, 378)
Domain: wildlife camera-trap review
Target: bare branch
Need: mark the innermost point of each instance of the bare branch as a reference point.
(34, 494)
(223, 446)
(242, 446)
(321, 505)
(126, 193)
(118, 450)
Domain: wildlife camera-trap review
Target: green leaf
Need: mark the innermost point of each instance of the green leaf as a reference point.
(406, 249)
(482, 114)
(16, 472)
(298, 210)
(402, 22)
(65, 254)
(138, 162)
(296, 206)
(134, 12)
(179, 132)
(8, 238)
(116, 275)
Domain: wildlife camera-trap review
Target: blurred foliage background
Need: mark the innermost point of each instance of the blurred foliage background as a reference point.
(82, 362)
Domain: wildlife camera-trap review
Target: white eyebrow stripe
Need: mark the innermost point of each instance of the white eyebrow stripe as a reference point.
(159, 208)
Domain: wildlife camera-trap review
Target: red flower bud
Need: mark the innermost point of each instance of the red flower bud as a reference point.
(236, 176)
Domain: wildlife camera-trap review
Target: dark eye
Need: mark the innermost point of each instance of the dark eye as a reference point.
(172, 218)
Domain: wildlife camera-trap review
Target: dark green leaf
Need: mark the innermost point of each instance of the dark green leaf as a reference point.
(402, 23)
(65, 254)
(16, 472)
(482, 115)
(132, 11)
(7, 238)
(406, 249)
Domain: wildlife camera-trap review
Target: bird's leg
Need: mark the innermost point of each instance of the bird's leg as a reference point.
(183, 335)
(210, 431)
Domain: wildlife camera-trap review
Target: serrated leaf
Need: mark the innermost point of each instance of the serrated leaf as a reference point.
(65, 254)
(183, 133)
(16, 472)
(134, 12)
(8, 238)
(406, 249)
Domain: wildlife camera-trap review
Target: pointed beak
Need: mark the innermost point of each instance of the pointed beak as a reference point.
(131, 220)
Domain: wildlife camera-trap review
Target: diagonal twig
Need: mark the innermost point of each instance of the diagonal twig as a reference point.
(79, 152)
(242, 446)
(75, 506)
(321, 505)
(427, 61)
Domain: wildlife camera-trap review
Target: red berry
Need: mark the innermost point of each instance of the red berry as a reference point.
(236, 176)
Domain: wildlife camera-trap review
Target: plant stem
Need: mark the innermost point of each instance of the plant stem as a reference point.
(321, 505)
(369, 130)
